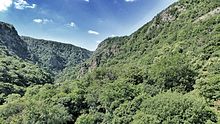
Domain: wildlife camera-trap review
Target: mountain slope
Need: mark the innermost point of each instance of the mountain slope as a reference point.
(55, 56)
(23, 61)
(177, 26)
(176, 36)
(16, 75)
(176, 29)
(16, 71)
(178, 51)
(11, 42)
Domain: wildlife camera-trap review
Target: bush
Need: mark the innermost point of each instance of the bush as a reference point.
(174, 108)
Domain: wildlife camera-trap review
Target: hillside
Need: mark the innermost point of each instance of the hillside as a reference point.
(16, 75)
(16, 71)
(51, 55)
(11, 42)
(176, 29)
(166, 72)
(25, 61)
(55, 56)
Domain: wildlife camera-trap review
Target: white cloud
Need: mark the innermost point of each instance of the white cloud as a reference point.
(71, 24)
(4, 4)
(22, 4)
(86, 0)
(112, 35)
(93, 32)
(130, 0)
(98, 41)
(45, 21)
(38, 20)
(42, 21)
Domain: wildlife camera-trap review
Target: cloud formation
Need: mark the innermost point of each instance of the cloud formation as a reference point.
(113, 35)
(86, 0)
(5, 4)
(42, 21)
(22, 4)
(130, 0)
(93, 32)
(71, 24)
(98, 41)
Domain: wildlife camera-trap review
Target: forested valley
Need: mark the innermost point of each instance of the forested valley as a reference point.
(167, 72)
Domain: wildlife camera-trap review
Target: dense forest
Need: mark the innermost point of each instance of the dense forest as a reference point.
(167, 72)
(55, 56)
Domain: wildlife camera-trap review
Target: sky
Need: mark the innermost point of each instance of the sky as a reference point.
(83, 23)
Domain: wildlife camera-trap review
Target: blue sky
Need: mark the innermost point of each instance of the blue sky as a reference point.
(83, 23)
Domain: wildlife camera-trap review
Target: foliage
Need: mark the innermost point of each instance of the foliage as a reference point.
(16, 71)
(174, 108)
(208, 83)
(173, 73)
(17, 74)
(29, 111)
(55, 56)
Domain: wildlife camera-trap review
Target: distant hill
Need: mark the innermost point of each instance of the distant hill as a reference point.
(25, 61)
(55, 56)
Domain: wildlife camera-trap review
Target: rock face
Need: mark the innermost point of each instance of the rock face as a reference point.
(208, 15)
(54, 55)
(106, 50)
(10, 40)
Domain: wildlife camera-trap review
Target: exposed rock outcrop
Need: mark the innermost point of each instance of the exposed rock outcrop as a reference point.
(10, 40)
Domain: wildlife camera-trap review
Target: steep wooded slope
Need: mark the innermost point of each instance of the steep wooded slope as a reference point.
(16, 71)
(25, 61)
(177, 30)
(178, 51)
(176, 36)
(55, 56)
